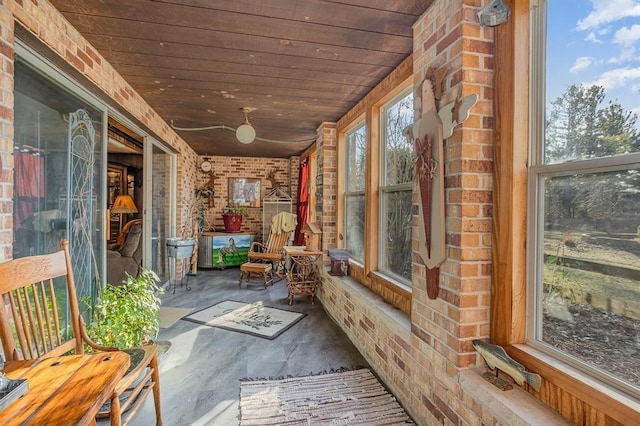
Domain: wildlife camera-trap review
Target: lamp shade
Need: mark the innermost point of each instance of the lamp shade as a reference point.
(246, 133)
(124, 204)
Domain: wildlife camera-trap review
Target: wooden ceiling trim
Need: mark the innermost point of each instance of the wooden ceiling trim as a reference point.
(339, 14)
(272, 118)
(170, 75)
(182, 88)
(165, 33)
(410, 7)
(120, 48)
(217, 104)
(242, 24)
(212, 66)
(224, 13)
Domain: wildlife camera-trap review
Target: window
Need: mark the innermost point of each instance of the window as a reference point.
(355, 168)
(396, 186)
(585, 192)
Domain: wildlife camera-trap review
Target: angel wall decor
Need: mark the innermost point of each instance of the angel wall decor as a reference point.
(427, 134)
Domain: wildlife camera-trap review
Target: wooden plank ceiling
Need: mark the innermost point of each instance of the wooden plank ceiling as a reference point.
(297, 63)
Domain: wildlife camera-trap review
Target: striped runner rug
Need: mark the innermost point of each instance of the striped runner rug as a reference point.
(353, 397)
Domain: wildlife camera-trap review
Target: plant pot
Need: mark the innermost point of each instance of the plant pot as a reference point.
(180, 249)
(232, 222)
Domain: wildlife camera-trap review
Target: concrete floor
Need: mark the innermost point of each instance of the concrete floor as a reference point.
(200, 373)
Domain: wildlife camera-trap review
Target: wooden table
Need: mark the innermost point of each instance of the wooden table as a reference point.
(65, 390)
(303, 274)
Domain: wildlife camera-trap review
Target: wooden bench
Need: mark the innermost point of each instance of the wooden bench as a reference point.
(263, 269)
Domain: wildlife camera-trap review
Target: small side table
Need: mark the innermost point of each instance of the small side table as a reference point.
(302, 270)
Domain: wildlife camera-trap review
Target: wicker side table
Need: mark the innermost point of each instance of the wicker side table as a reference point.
(302, 270)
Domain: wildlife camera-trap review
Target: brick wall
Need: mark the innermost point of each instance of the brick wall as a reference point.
(421, 360)
(244, 167)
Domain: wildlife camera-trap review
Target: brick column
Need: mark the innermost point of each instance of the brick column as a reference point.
(449, 37)
(327, 167)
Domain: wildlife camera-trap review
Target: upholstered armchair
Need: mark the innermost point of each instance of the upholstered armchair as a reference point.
(126, 257)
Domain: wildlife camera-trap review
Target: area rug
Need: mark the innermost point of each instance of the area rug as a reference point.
(347, 398)
(169, 315)
(250, 318)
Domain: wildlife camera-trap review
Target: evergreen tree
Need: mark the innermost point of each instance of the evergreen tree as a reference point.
(579, 127)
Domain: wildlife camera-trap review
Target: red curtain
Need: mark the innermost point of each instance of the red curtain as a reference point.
(29, 184)
(303, 201)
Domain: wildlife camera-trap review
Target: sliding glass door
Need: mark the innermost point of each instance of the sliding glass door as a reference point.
(160, 201)
(58, 164)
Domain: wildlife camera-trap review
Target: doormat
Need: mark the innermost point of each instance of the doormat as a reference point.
(169, 315)
(351, 397)
(250, 318)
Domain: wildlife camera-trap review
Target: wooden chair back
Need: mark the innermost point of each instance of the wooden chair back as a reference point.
(33, 291)
(275, 242)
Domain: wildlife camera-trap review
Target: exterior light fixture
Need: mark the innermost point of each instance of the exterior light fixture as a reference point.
(246, 133)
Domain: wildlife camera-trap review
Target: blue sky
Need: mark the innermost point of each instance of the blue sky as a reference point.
(595, 42)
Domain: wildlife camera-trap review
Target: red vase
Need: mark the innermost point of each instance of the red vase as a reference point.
(232, 222)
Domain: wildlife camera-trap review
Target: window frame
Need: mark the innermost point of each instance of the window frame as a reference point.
(515, 92)
(383, 188)
(359, 124)
(366, 272)
(538, 172)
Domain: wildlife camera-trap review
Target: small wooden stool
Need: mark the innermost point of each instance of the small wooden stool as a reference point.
(264, 269)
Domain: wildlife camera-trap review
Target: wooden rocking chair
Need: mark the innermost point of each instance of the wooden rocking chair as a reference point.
(273, 250)
(31, 291)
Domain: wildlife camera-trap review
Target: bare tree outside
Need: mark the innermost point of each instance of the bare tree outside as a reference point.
(397, 188)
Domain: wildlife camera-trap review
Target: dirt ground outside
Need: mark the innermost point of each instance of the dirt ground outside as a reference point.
(592, 316)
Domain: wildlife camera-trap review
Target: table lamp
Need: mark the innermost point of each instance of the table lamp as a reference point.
(124, 204)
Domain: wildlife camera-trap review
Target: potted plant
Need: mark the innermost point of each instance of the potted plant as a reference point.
(125, 316)
(232, 216)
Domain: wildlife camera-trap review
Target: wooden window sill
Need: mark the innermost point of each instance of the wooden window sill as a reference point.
(603, 398)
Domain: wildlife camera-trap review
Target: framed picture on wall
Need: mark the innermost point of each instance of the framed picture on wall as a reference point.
(244, 192)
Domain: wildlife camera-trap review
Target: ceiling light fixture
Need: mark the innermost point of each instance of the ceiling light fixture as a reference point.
(246, 133)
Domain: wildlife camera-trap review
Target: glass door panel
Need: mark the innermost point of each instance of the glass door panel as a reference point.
(58, 175)
(161, 202)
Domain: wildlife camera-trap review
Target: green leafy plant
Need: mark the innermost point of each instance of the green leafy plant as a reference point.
(236, 209)
(125, 316)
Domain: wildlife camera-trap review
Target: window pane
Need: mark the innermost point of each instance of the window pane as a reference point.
(397, 148)
(591, 272)
(355, 167)
(161, 211)
(58, 161)
(354, 225)
(591, 92)
(356, 159)
(396, 235)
